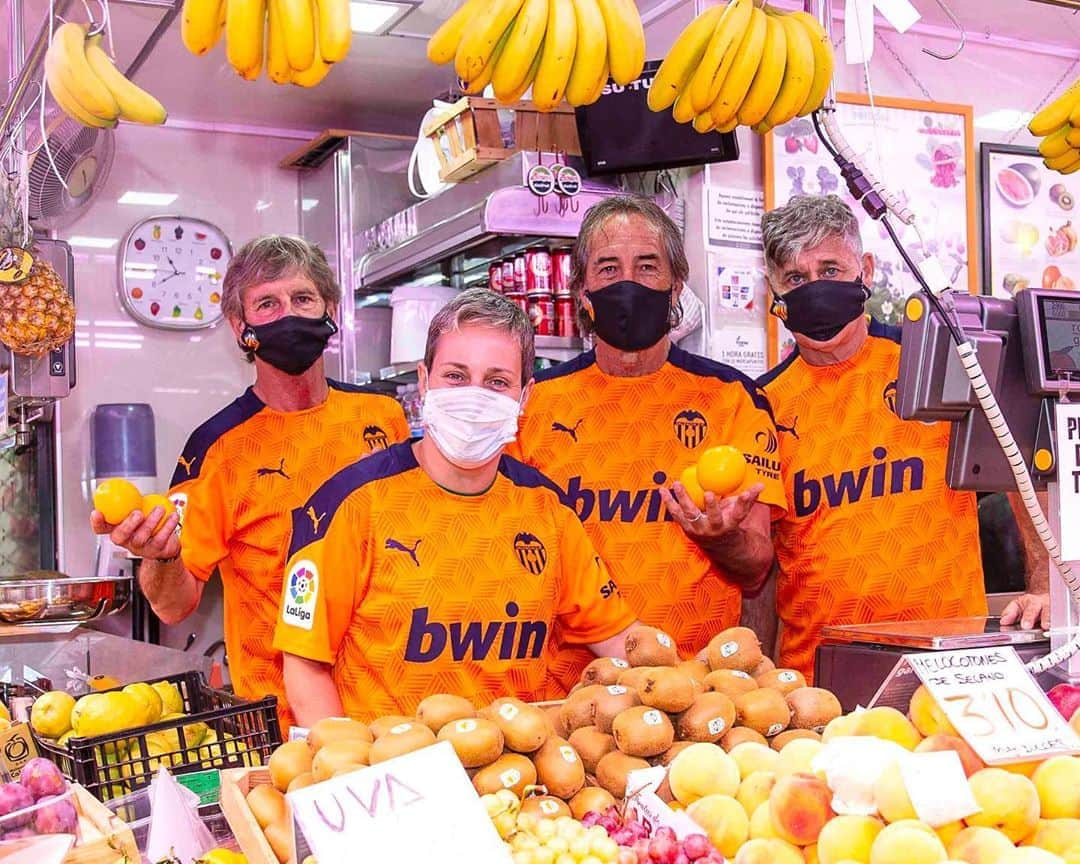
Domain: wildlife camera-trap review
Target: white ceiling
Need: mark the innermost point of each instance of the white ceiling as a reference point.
(386, 82)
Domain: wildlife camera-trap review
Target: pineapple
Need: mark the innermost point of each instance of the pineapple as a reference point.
(37, 314)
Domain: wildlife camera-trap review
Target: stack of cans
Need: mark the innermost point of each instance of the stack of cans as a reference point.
(538, 280)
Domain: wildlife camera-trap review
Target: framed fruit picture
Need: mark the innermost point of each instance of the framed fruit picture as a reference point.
(1028, 235)
(171, 270)
(923, 152)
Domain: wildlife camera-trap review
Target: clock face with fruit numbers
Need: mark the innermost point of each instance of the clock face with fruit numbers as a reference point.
(171, 270)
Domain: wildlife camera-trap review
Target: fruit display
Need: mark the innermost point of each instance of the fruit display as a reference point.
(1058, 125)
(37, 314)
(116, 499)
(38, 803)
(88, 88)
(741, 65)
(294, 41)
(560, 48)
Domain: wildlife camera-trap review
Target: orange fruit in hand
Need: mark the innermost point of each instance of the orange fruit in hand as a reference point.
(155, 500)
(116, 499)
(689, 480)
(721, 470)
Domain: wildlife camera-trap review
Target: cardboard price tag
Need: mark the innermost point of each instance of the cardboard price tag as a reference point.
(416, 807)
(995, 704)
(1067, 424)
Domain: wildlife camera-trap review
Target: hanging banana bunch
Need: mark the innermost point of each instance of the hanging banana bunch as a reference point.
(1058, 124)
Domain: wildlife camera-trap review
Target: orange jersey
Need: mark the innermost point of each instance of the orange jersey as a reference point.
(872, 532)
(409, 589)
(240, 476)
(611, 442)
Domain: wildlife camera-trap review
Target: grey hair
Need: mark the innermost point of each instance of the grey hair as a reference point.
(271, 257)
(484, 308)
(626, 205)
(803, 223)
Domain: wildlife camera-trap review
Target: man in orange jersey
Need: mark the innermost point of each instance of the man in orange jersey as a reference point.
(616, 426)
(872, 532)
(442, 565)
(245, 469)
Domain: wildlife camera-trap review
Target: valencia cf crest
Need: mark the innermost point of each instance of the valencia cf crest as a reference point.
(530, 552)
(691, 427)
(888, 395)
(375, 438)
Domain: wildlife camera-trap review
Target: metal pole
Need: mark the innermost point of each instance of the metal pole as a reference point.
(151, 42)
(16, 53)
(822, 10)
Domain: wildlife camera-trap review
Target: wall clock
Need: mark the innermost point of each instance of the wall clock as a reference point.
(171, 270)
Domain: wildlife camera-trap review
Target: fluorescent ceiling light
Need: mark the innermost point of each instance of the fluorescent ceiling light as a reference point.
(374, 17)
(261, 205)
(309, 204)
(92, 242)
(1003, 120)
(148, 199)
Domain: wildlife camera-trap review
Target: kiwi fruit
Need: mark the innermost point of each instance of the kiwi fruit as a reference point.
(591, 745)
(331, 729)
(545, 807)
(604, 670)
(784, 680)
(613, 769)
(643, 731)
(381, 725)
(812, 708)
(524, 726)
(766, 665)
(634, 678)
(510, 771)
(668, 689)
(777, 742)
(579, 709)
(735, 648)
(711, 715)
(650, 646)
(559, 768)
(334, 756)
(554, 719)
(287, 762)
(674, 750)
(764, 710)
(267, 804)
(737, 735)
(441, 708)
(614, 700)
(476, 740)
(696, 669)
(730, 682)
(398, 740)
(591, 799)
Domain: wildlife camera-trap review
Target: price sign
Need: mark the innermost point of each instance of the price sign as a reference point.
(417, 807)
(1067, 424)
(995, 704)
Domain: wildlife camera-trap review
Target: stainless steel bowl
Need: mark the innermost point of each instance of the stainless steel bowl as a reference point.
(46, 597)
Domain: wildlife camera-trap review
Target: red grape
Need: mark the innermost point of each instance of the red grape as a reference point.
(697, 846)
(665, 833)
(682, 858)
(662, 849)
(591, 818)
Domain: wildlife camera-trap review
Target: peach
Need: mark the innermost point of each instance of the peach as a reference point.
(1058, 783)
(841, 726)
(723, 820)
(1075, 721)
(768, 851)
(751, 757)
(926, 715)
(1073, 855)
(1029, 855)
(890, 724)
(907, 842)
(1056, 835)
(947, 832)
(1025, 769)
(761, 825)
(847, 838)
(969, 759)
(800, 805)
(797, 757)
(1009, 802)
(754, 790)
(810, 854)
(702, 769)
(891, 796)
(979, 845)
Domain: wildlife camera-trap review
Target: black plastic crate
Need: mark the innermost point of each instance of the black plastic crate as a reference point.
(113, 765)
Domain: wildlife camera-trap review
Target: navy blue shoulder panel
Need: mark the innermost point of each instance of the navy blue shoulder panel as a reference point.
(521, 474)
(779, 369)
(240, 410)
(706, 368)
(884, 331)
(310, 520)
(582, 361)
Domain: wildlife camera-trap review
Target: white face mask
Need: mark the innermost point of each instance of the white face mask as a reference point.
(469, 425)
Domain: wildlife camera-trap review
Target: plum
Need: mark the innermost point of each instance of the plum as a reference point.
(57, 816)
(13, 798)
(42, 778)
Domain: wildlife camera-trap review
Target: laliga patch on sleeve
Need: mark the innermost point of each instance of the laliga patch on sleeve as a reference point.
(179, 501)
(301, 591)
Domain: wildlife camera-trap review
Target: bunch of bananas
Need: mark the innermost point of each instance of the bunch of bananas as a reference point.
(87, 87)
(739, 65)
(1058, 124)
(561, 48)
(297, 40)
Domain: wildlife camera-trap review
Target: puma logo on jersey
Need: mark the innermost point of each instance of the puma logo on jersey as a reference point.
(849, 487)
(790, 430)
(263, 472)
(569, 430)
(316, 519)
(474, 640)
(187, 464)
(401, 547)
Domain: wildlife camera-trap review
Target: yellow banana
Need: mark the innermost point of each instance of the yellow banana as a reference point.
(335, 30)
(769, 77)
(319, 68)
(513, 96)
(709, 76)
(200, 24)
(278, 69)
(683, 110)
(473, 88)
(741, 76)
(823, 61)
(67, 55)
(798, 74)
(1072, 135)
(136, 104)
(683, 58)
(298, 24)
(1070, 169)
(1058, 142)
(245, 23)
(522, 48)
(625, 39)
(601, 83)
(1057, 112)
(443, 44)
(590, 57)
(1065, 160)
(482, 35)
(761, 128)
(704, 123)
(68, 104)
(729, 126)
(560, 43)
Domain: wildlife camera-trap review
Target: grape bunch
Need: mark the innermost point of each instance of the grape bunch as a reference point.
(561, 841)
(663, 847)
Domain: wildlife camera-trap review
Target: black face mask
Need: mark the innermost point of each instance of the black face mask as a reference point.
(291, 344)
(822, 308)
(630, 316)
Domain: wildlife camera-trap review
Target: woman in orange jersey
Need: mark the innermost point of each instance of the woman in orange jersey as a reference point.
(442, 565)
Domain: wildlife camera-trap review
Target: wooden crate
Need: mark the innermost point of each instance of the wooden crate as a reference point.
(235, 785)
(470, 128)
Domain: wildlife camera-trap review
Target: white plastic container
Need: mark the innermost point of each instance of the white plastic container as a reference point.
(413, 308)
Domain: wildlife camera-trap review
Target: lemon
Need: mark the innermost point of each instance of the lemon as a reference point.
(193, 732)
(104, 713)
(149, 699)
(4, 713)
(50, 715)
(171, 702)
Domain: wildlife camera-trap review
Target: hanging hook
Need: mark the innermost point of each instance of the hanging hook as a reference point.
(956, 23)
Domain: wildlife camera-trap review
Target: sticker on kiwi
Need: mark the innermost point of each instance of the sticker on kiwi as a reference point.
(652, 718)
(739, 674)
(619, 663)
(616, 689)
(717, 725)
(401, 728)
(729, 648)
(819, 729)
(510, 777)
(568, 753)
(775, 729)
(663, 639)
(467, 725)
(548, 808)
(786, 677)
(508, 711)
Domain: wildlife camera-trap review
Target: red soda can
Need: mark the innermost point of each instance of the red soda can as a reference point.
(565, 322)
(495, 277)
(520, 298)
(520, 278)
(541, 311)
(560, 272)
(538, 271)
(508, 276)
